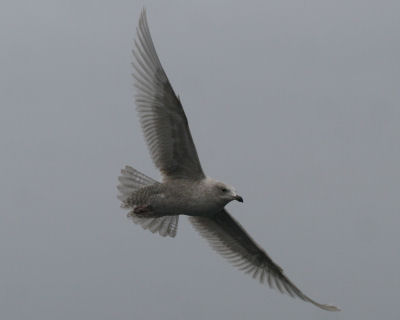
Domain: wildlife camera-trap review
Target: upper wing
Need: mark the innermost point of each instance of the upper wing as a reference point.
(229, 239)
(161, 114)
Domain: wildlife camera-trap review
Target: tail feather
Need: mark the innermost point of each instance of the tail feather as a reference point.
(165, 226)
(130, 181)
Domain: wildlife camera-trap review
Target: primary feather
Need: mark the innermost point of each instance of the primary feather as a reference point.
(171, 146)
(163, 120)
(227, 237)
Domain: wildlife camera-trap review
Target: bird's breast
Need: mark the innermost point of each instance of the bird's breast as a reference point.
(186, 199)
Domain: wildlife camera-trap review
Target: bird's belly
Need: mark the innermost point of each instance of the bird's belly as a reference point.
(190, 207)
(201, 210)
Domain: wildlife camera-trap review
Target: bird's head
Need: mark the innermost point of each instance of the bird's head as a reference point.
(225, 192)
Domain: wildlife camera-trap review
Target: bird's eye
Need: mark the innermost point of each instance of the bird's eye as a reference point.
(224, 189)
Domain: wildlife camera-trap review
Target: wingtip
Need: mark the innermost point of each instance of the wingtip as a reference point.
(327, 307)
(143, 15)
(333, 308)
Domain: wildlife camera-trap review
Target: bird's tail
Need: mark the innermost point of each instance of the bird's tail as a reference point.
(132, 180)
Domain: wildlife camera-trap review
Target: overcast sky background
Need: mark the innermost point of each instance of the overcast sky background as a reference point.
(295, 103)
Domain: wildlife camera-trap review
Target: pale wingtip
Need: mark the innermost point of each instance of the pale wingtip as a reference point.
(327, 307)
(143, 14)
(332, 308)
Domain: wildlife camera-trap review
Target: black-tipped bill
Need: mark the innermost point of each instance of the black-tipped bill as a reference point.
(239, 198)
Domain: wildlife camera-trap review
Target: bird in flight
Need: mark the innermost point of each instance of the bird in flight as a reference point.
(185, 189)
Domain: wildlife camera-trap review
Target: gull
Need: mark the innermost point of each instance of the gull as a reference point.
(185, 189)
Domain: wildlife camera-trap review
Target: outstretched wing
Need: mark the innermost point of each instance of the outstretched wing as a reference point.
(228, 238)
(163, 120)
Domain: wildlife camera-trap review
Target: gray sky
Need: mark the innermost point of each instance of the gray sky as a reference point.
(295, 103)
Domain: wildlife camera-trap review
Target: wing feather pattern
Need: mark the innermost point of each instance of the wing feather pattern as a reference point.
(163, 120)
(228, 238)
